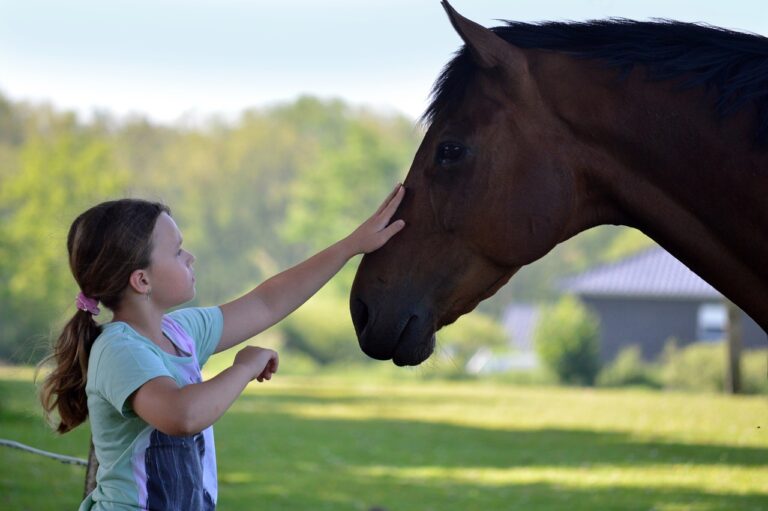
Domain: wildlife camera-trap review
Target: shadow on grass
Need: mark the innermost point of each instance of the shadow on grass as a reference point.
(272, 459)
(294, 461)
(356, 493)
(364, 494)
(413, 442)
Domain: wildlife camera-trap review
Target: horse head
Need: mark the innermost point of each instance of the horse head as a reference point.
(478, 162)
(538, 132)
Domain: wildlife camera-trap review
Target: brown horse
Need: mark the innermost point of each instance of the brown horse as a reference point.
(538, 132)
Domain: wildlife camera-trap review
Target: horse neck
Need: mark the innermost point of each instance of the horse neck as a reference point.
(664, 163)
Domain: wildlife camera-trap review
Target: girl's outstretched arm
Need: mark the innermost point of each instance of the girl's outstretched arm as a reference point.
(280, 295)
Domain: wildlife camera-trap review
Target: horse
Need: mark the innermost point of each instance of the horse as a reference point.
(537, 132)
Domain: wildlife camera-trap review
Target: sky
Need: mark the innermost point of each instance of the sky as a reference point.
(171, 60)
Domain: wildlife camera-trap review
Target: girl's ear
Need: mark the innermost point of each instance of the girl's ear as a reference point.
(139, 281)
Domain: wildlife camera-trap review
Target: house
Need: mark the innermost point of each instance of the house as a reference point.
(651, 297)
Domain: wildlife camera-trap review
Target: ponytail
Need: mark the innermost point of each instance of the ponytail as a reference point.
(105, 244)
(64, 388)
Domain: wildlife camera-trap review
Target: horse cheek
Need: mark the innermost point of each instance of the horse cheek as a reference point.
(526, 218)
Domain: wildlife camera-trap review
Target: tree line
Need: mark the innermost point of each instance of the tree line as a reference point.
(252, 196)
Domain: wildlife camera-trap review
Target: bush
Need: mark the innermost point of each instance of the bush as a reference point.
(698, 366)
(754, 371)
(701, 367)
(566, 340)
(629, 368)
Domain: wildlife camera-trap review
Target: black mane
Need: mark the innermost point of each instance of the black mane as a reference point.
(735, 64)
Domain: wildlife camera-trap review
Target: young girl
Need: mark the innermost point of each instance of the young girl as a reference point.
(138, 377)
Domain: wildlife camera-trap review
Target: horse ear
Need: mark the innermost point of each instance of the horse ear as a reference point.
(487, 49)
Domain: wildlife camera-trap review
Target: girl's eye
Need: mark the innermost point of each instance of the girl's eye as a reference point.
(179, 252)
(449, 152)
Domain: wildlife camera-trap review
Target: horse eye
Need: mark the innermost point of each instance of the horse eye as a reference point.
(449, 152)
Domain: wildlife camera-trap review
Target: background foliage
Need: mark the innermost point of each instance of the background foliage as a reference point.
(566, 340)
(252, 196)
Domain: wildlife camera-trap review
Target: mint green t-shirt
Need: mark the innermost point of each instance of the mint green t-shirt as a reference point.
(139, 466)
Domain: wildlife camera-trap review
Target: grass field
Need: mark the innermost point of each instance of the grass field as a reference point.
(355, 442)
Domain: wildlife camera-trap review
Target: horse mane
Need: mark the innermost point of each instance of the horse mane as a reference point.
(734, 63)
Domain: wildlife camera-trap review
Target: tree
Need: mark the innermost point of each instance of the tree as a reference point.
(62, 168)
(566, 341)
(348, 179)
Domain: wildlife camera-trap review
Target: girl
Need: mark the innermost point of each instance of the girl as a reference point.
(138, 377)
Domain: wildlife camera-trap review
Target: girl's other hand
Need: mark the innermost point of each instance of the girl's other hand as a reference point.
(261, 362)
(375, 231)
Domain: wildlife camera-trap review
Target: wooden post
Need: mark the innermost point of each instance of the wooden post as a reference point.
(90, 472)
(733, 349)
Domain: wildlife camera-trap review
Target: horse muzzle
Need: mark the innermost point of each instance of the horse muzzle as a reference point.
(407, 337)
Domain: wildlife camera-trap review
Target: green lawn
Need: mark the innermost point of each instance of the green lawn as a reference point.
(355, 442)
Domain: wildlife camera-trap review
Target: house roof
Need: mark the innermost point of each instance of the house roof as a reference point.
(653, 273)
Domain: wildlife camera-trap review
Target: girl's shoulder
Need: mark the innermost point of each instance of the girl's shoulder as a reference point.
(116, 333)
(118, 339)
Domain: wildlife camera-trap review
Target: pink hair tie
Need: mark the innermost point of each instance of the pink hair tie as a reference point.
(87, 304)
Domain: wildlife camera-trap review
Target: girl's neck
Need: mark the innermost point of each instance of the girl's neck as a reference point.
(144, 318)
(149, 327)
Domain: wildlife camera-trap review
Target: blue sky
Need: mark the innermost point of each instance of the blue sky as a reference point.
(168, 59)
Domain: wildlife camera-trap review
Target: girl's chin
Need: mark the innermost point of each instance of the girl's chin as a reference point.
(191, 295)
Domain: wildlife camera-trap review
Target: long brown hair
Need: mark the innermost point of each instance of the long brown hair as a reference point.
(106, 244)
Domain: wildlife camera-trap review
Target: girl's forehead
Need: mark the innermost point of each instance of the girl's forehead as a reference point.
(166, 230)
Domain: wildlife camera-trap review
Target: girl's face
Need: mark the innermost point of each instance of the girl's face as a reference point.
(170, 269)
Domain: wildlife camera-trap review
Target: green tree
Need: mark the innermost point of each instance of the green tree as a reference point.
(348, 180)
(62, 169)
(566, 341)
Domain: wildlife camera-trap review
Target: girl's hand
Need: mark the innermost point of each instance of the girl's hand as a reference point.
(375, 232)
(261, 362)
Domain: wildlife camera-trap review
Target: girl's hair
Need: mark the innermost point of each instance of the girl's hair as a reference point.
(106, 244)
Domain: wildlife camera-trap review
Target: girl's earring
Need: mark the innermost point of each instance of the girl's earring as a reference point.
(148, 294)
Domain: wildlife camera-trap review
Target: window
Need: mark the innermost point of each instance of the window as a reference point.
(712, 322)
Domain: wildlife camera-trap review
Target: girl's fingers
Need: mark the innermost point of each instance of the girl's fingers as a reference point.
(389, 198)
(393, 204)
(393, 229)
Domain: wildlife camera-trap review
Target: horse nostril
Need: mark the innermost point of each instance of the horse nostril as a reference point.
(359, 315)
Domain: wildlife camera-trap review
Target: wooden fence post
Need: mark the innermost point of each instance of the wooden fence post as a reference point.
(90, 472)
(733, 349)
